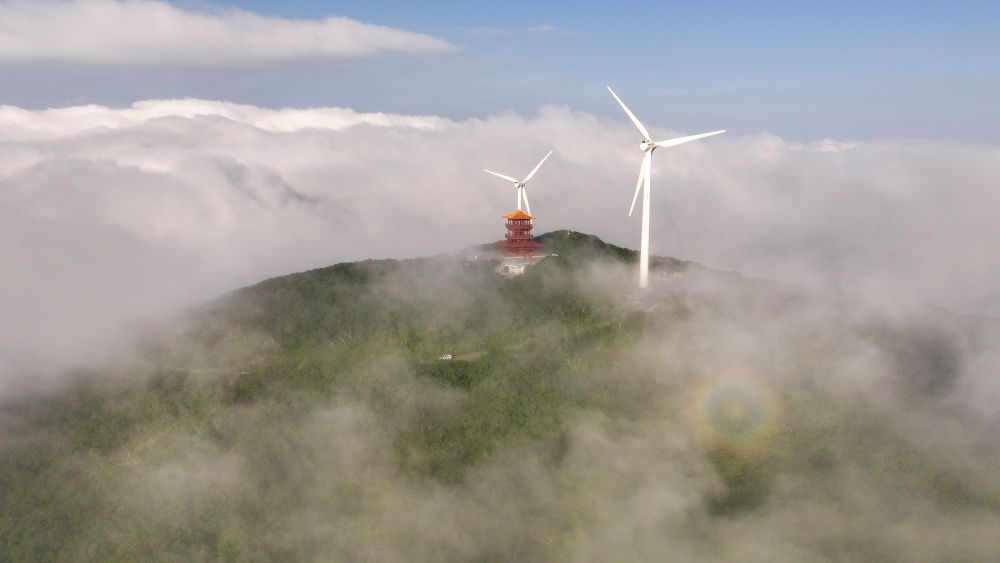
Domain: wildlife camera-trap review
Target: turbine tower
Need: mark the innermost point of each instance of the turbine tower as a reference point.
(522, 193)
(648, 146)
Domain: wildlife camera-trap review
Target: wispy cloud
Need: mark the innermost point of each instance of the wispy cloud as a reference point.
(486, 30)
(152, 32)
(541, 28)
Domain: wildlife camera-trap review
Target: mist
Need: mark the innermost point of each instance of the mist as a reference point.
(715, 417)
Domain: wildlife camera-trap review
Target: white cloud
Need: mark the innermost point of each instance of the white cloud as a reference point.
(21, 124)
(111, 215)
(152, 32)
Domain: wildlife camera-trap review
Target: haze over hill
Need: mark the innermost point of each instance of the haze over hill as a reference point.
(715, 417)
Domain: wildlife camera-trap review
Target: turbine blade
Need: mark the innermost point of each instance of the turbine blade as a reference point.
(645, 134)
(682, 140)
(638, 184)
(535, 169)
(524, 193)
(500, 175)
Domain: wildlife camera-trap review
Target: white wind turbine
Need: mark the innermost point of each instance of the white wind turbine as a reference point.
(648, 146)
(522, 193)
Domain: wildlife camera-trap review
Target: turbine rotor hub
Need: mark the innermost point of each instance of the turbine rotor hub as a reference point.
(647, 146)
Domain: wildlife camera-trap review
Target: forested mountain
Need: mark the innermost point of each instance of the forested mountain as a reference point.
(314, 417)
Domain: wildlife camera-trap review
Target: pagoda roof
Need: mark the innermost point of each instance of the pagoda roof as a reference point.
(518, 215)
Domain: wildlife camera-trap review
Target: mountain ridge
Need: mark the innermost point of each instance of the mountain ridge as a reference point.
(311, 416)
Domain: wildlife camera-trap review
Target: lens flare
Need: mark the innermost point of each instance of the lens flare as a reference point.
(736, 408)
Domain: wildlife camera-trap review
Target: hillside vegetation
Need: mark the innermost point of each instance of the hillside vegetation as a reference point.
(311, 418)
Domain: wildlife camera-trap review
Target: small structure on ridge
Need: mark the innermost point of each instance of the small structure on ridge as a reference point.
(518, 248)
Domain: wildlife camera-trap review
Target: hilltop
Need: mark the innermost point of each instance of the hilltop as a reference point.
(714, 417)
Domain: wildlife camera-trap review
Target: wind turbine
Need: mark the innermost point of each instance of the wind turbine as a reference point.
(519, 184)
(648, 146)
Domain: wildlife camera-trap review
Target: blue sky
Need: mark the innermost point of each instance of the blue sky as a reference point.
(800, 70)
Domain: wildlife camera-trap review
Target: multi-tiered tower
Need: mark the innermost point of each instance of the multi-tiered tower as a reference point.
(519, 247)
(519, 242)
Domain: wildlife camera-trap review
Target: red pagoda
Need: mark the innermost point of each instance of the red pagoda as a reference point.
(519, 242)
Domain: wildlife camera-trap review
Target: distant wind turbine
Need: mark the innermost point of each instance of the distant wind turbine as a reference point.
(648, 146)
(522, 193)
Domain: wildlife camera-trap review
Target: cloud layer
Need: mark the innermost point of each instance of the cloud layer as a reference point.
(151, 32)
(117, 215)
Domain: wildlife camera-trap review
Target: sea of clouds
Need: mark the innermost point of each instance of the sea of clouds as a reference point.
(117, 215)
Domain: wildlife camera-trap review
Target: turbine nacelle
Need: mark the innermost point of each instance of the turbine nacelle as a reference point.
(647, 146)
